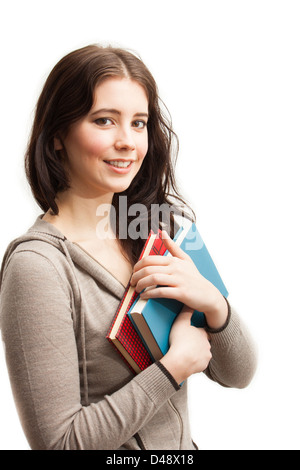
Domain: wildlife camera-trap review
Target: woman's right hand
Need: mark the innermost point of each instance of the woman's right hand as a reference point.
(190, 350)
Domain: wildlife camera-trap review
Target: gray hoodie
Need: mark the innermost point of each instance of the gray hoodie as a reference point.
(71, 388)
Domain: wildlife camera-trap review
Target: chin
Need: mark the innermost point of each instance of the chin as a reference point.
(120, 189)
(122, 186)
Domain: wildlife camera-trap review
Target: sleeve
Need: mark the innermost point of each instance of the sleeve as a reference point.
(42, 362)
(234, 354)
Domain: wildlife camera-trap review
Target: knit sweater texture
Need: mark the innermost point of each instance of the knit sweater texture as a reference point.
(71, 388)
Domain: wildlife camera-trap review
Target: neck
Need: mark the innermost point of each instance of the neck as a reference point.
(82, 218)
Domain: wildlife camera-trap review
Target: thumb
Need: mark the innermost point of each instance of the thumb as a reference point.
(186, 314)
(172, 247)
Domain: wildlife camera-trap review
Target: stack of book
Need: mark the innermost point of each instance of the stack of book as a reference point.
(140, 328)
(122, 333)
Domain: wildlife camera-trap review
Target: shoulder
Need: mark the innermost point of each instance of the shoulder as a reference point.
(41, 243)
(33, 261)
(30, 262)
(38, 249)
(35, 252)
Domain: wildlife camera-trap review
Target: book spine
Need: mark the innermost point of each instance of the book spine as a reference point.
(127, 289)
(121, 355)
(126, 336)
(117, 312)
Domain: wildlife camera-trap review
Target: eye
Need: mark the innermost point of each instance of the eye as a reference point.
(103, 122)
(139, 124)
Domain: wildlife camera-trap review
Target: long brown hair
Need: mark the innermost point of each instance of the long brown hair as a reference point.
(67, 96)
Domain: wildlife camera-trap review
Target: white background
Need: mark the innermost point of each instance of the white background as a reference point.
(229, 73)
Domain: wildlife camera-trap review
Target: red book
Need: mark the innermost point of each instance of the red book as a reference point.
(122, 333)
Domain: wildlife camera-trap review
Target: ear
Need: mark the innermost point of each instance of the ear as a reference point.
(58, 144)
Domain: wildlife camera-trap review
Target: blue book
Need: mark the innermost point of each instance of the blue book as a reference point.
(153, 318)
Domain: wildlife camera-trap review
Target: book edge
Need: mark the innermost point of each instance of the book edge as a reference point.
(148, 338)
(125, 355)
(121, 312)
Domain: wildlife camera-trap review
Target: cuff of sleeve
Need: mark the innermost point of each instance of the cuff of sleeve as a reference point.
(157, 383)
(227, 334)
(170, 376)
(219, 330)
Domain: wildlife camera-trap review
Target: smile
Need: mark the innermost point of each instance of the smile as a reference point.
(119, 163)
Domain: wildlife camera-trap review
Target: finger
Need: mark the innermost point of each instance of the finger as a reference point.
(147, 271)
(186, 313)
(153, 260)
(172, 247)
(153, 280)
(160, 293)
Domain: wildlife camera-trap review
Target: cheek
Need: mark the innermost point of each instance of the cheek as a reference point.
(84, 141)
(92, 148)
(96, 148)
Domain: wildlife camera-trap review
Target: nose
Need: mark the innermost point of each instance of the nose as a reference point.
(124, 139)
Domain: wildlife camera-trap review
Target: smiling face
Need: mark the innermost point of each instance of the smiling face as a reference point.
(104, 151)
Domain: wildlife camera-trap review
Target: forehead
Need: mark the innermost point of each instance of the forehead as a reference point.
(120, 93)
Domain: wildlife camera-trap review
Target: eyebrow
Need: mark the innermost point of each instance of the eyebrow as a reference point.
(115, 111)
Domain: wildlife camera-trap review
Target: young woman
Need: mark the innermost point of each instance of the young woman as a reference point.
(99, 134)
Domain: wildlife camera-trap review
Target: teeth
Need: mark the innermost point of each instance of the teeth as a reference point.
(119, 164)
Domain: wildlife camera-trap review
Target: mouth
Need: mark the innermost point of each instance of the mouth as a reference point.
(120, 167)
(119, 163)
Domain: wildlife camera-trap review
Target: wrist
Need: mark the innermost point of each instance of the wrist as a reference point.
(217, 315)
(175, 365)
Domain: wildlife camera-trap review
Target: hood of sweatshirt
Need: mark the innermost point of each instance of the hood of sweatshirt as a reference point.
(43, 231)
(48, 233)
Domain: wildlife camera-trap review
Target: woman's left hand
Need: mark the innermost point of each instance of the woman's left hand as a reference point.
(178, 278)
